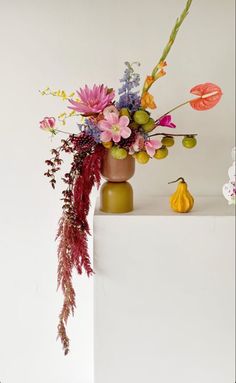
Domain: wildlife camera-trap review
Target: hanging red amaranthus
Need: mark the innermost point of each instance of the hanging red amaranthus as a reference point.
(73, 226)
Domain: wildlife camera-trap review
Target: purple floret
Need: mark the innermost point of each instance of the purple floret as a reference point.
(128, 98)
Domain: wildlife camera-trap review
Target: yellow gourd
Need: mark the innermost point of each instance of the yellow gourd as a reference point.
(181, 201)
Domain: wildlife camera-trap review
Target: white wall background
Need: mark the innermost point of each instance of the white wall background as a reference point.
(65, 44)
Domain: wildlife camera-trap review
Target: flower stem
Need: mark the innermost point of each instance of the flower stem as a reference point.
(62, 131)
(176, 107)
(187, 102)
(173, 135)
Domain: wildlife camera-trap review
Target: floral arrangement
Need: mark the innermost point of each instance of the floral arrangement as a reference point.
(125, 127)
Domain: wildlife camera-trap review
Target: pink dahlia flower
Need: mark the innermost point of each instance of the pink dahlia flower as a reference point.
(151, 146)
(48, 124)
(92, 100)
(114, 127)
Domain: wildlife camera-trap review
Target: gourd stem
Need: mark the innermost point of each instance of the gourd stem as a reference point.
(179, 179)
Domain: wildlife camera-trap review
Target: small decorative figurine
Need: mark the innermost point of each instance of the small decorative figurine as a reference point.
(181, 201)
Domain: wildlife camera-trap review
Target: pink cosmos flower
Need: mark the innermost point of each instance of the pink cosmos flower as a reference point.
(166, 121)
(48, 124)
(137, 145)
(151, 146)
(114, 127)
(92, 100)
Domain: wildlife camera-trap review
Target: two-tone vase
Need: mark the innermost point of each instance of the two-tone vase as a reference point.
(116, 195)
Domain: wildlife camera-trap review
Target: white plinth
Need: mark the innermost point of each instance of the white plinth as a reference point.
(164, 294)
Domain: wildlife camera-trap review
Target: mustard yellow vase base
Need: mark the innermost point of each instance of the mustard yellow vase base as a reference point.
(116, 197)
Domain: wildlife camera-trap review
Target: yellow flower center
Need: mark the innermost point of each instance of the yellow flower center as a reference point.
(115, 128)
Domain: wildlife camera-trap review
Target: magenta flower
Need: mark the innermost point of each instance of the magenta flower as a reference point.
(151, 146)
(92, 100)
(48, 124)
(166, 121)
(114, 127)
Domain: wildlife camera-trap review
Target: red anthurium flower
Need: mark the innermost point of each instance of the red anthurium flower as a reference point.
(209, 95)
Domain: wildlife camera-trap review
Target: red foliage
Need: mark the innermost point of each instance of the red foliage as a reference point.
(74, 229)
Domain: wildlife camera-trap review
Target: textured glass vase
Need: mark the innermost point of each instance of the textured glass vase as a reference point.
(116, 194)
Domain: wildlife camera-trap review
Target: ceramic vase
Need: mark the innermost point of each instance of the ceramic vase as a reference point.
(116, 195)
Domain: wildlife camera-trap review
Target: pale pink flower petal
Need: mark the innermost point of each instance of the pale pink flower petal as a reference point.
(116, 137)
(104, 125)
(110, 110)
(156, 144)
(113, 119)
(125, 132)
(151, 146)
(106, 136)
(150, 150)
(124, 121)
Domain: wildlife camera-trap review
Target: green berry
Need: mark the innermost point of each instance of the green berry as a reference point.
(189, 142)
(161, 153)
(125, 112)
(118, 153)
(168, 141)
(133, 125)
(149, 126)
(142, 157)
(141, 117)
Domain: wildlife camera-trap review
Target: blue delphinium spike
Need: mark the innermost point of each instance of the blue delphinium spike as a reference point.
(128, 98)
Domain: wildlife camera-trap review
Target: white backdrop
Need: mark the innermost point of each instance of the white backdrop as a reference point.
(65, 44)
